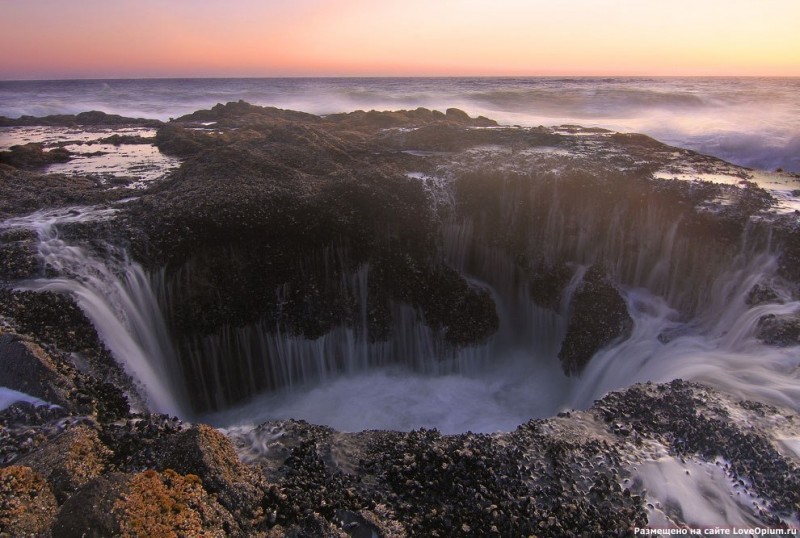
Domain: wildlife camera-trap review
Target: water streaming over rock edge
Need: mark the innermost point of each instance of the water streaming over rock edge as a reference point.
(117, 296)
(413, 379)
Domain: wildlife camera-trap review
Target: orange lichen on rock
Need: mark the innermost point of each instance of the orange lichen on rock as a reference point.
(27, 505)
(169, 505)
(70, 461)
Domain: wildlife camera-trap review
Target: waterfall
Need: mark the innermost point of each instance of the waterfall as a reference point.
(116, 295)
(724, 354)
(235, 363)
(413, 378)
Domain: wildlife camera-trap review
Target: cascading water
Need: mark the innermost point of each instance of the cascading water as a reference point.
(264, 356)
(411, 379)
(116, 295)
(687, 300)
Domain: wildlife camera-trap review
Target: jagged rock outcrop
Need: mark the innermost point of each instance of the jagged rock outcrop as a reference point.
(94, 117)
(779, 330)
(145, 504)
(597, 317)
(28, 369)
(32, 156)
(69, 461)
(48, 333)
(307, 224)
(272, 209)
(293, 477)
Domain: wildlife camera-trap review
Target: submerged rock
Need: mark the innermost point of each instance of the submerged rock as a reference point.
(761, 294)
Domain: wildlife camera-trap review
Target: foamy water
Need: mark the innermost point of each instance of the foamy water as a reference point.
(517, 375)
(749, 121)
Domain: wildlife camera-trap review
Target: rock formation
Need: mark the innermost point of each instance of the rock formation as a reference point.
(598, 316)
(282, 228)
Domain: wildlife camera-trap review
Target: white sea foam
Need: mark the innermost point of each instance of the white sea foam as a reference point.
(750, 121)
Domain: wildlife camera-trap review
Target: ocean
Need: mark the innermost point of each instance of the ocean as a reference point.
(753, 122)
(341, 379)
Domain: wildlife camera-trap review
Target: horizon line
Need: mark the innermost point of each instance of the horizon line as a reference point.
(321, 77)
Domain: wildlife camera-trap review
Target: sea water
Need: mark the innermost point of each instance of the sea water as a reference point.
(754, 121)
(749, 121)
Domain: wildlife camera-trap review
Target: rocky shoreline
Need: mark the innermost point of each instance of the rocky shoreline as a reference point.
(267, 199)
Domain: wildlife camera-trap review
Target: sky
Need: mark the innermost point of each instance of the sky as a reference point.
(55, 39)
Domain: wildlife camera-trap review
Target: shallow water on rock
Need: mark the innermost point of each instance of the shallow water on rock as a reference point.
(132, 165)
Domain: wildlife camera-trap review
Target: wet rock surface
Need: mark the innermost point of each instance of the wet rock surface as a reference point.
(564, 476)
(93, 117)
(597, 317)
(25, 191)
(32, 156)
(271, 207)
(77, 370)
(779, 331)
(273, 213)
(18, 255)
(27, 368)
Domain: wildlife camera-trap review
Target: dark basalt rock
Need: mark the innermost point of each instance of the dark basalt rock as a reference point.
(69, 461)
(205, 452)
(761, 294)
(50, 317)
(27, 368)
(598, 316)
(93, 117)
(23, 192)
(779, 331)
(548, 284)
(272, 200)
(61, 334)
(464, 314)
(89, 513)
(236, 113)
(176, 140)
(271, 208)
(555, 477)
(118, 140)
(32, 156)
(683, 416)
(18, 255)
(145, 504)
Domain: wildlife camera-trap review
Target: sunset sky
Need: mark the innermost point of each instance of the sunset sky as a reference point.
(54, 39)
